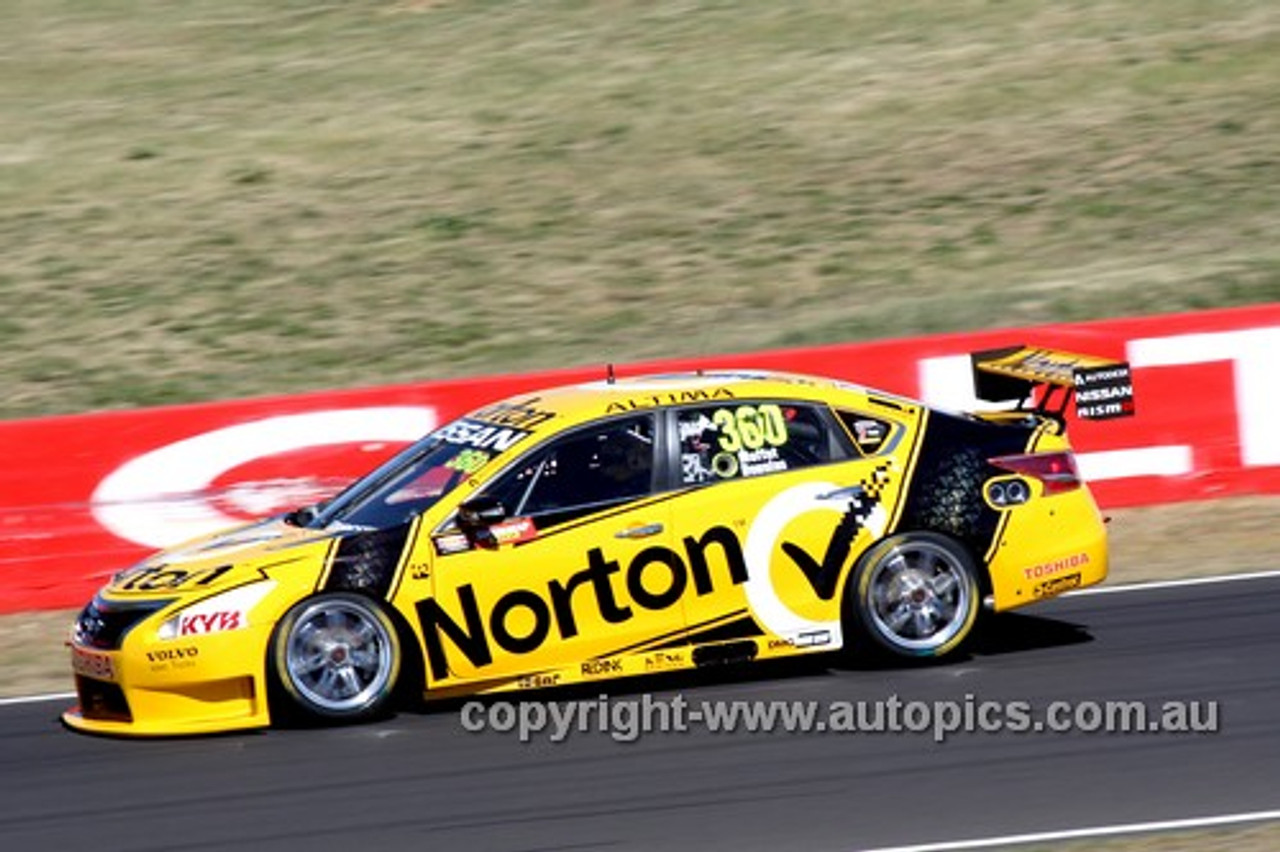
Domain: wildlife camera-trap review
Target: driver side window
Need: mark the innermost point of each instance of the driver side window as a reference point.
(590, 469)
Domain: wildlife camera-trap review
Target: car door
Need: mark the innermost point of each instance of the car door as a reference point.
(792, 501)
(580, 569)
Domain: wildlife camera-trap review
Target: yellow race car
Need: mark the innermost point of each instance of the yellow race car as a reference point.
(611, 529)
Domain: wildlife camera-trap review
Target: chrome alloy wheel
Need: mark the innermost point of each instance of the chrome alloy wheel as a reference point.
(340, 655)
(920, 596)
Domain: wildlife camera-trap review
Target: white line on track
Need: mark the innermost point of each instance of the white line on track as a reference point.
(1175, 584)
(1096, 590)
(1086, 833)
(33, 699)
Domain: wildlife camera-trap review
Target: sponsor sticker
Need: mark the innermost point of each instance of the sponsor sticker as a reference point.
(1104, 392)
(674, 397)
(90, 664)
(596, 668)
(479, 435)
(446, 544)
(1057, 566)
(197, 623)
(869, 434)
(1057, 585)
(523, 414)
(664, 660)
(514, 531)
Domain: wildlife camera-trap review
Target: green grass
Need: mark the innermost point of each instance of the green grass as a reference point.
(222, 199)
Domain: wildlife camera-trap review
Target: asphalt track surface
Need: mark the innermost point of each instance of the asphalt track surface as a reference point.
(419, 781)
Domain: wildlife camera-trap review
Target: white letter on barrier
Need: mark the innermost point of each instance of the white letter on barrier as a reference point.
(1255, 357)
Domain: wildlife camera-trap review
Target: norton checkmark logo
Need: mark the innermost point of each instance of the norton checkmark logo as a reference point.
(824, 576)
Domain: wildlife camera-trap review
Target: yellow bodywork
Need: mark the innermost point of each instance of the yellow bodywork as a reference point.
(680, 578)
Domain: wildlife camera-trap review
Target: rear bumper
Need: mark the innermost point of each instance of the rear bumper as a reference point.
(1051, 546)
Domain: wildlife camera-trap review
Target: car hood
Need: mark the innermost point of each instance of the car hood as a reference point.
(222, 559)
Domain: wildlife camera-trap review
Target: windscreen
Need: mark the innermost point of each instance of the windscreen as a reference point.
(417, 478)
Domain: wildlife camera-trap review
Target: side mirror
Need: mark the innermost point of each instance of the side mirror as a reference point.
(480, 513)
(303, 515)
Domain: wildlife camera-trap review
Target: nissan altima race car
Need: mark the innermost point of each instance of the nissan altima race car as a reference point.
(610, 529)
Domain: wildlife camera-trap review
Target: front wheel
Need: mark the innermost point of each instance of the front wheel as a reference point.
(336, 657)
(914, 595)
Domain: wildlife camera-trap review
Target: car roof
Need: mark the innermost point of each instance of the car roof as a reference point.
(568, 405)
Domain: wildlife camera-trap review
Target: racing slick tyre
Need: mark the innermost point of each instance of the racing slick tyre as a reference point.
(913, 595)
(335, 657)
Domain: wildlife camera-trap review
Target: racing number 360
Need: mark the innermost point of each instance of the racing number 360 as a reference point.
(750, 427)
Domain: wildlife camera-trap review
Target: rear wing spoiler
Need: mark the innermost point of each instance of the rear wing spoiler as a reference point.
(1101, 388)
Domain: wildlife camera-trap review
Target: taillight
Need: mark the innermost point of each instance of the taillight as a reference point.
(1057, 470)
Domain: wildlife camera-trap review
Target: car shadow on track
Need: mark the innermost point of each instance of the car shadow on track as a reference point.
(1017, 632)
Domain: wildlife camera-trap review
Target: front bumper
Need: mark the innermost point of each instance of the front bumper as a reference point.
(214, 684)
(106, 708)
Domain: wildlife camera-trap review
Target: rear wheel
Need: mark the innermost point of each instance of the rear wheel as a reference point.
(337, 657)
(914, 595)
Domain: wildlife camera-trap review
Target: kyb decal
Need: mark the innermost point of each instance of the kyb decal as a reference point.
(218, 614)
(211, 622)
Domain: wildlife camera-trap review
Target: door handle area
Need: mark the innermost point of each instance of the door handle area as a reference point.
(640, 531)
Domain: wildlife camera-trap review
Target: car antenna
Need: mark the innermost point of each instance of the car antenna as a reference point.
(609, 376)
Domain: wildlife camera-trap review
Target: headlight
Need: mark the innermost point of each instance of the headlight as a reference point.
(218, 614)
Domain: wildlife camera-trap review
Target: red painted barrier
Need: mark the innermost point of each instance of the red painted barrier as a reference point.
(85, 495)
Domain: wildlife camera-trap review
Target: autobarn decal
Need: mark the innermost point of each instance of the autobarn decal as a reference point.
(473, 633)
